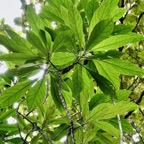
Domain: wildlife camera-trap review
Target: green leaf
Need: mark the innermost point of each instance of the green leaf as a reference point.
(107, 110)
(77, 81)
(90, 134)
(18, 57)
(107, 127)
(57, 3)
(36, 94)
(55, 94)
(8, 127)
(76, 25)
(7, 42)
(118, 13)
(98, 99)
(118, 66)
(123, 94)
(36, 42)
(7, 114)
(16, 140)
(126, 126)
(100, 32)
(105, 11)
(62, 39)
(51, 13)
(20, 43)
(14, 94)
(117, 41)
(121, 29)
(105, 85)
(91, 7)
(62, 58)
(33, 19)
(79, 135)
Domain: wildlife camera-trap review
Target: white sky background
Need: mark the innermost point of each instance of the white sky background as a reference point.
(9, 9)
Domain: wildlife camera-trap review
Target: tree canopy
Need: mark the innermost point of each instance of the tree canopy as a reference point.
(75, 73)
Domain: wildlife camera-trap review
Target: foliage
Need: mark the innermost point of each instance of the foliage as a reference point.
(74, 80)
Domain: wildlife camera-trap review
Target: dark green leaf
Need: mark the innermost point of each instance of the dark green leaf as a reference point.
(121, 29)
(55, 94)
(100, 32)
(91, 7)
(77, 81)
(36, 42)
(107, 127)
(36, 94)
(8, 127)
(105, 85)
(18, 57)
(14, 94)
(62, 39)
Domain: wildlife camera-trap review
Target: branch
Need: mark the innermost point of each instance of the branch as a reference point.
(138, 132)
(35, 126)
(65, 106)
(137, 102)
(119, 123)
(139, 18)
(17, 114)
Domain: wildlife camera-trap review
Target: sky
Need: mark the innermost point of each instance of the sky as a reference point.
(9, 9)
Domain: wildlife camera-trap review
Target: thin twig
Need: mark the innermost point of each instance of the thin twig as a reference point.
(65, 106)
(138, 132)
(139, 18)
(17, 114)
(119, 123)
(34, 124)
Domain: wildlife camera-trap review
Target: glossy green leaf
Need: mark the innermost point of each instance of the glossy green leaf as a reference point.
(20, 43)
(107, 110)
(107, 127)
(62, 58)
(14, 94)
(77, 81)
(90, 8)
(55, 94)
(52, 13)
(79, 135)
(8, 127)
(118, 66)
(105, 11)
(7, 114)
(36, 94)
(98, 99)
(15, 140)
(61, 40)
(118, 13)
(7, 42)
(57, 3)
(100, 32)
(34, 20)
(18, 57)
(126, 126)
(121, 29)
(123, 94)
(36, 42)
(76, 25)
(90, 134)
(117, 41)
(105, 85)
